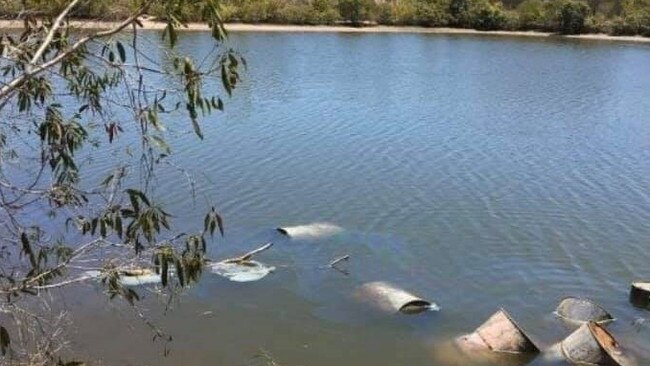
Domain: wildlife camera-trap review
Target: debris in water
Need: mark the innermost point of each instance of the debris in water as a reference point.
(579, 310)
(243, 268)
(449, 354)
(391, 299)
(640, 294)
(242, 272)
(592, 344)
(334, 264)
(138, 277)
(131, 277)
(310, 231)
(499, 333)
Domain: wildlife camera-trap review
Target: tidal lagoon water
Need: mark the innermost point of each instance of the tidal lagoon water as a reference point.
(476, 172)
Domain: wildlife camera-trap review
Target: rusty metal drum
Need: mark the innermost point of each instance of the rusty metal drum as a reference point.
(581, 310)
(391, 299)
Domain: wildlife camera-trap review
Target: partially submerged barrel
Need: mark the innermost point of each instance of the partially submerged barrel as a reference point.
(392, 299)
(449, 354)
(592, 344)
(500, 333)
(138, 277)
(581, 310)
(640, 294)
(310, 231)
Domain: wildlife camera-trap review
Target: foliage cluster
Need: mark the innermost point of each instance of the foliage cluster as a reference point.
(619, 17)
(68, 99)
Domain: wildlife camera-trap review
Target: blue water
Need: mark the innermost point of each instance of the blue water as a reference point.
(478, 172)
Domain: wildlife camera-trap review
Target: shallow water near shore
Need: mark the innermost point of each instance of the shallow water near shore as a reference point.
(475, 172)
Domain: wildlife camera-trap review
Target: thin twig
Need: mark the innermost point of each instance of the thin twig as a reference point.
(50, 34)
(333, 264)
(247, 257)
(339, 260)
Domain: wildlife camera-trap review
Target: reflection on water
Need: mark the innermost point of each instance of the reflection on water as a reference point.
(475, 172)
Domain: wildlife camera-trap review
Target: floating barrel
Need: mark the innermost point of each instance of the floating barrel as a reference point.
(314, 230)
(500, 333)
(391, 299)
(592, 344)
(640, 294)
(580, 310)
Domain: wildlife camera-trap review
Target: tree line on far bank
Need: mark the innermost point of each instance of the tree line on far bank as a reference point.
(616, 17)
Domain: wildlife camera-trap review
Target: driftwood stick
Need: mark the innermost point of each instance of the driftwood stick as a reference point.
(339, 260)
(336, 261)
(247, 257)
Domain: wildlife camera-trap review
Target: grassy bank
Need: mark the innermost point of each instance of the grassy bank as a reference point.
(614, 17)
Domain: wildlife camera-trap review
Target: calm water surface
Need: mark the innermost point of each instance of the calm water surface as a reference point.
(478, 172)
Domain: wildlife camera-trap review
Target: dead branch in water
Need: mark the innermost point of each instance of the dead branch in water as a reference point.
(248, 256)
(339, 260)
(333, 264)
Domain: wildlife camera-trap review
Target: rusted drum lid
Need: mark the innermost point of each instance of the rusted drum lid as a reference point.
(581, 310)
(610, 345)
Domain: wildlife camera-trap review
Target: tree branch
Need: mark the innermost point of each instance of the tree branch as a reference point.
(10, 87)
(247, 257)
(50, 35)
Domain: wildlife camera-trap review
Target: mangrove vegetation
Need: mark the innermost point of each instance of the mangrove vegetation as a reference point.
(615, 17)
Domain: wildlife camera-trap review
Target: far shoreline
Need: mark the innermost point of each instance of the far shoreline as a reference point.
(375, 29)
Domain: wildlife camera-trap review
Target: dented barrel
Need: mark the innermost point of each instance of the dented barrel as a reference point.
(392, 299)
(581, 310)
(640, 294)
(500, 333)
(592, 344)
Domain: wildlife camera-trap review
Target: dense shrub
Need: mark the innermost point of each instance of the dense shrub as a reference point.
(488, 16)
(356, 11)
(459, 13)
(324, 11)
(619, 17)
(405, 12)
(432, 13)
(532, 15)
(572, 17)
(635, 18)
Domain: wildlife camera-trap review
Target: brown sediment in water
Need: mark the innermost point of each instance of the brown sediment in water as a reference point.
(244, 27)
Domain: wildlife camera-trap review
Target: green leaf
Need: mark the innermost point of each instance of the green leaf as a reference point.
(121, 51)
(27, 249)
(197, 128)
(5, 340)
(219, 223)
(164, 272)
(161, 144)
(225, 80)
(171, 31)
(180, 273)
